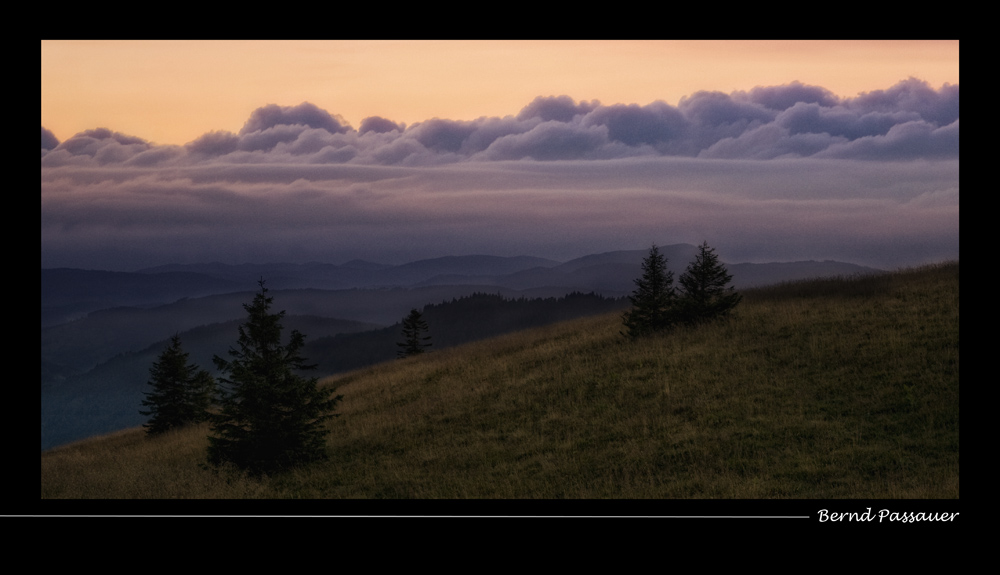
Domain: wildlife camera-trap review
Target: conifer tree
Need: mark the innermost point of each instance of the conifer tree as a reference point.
(182, 393)
(414, 341)
(653, 299)
(271, 418)
(704, 291)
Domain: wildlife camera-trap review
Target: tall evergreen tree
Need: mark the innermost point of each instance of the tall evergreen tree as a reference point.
(704, 291)
(414, 342)
(653, 299)
(182, 393)
(271, 417)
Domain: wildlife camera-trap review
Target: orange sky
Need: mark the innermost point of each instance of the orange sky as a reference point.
(171, 92)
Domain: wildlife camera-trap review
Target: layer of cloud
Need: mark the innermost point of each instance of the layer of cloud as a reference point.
(910, 120)
(782, 172)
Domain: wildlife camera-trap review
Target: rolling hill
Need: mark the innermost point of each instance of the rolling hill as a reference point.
(841, 388)
(94, 365)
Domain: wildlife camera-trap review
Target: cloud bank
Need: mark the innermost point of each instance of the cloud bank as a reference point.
(774, 173)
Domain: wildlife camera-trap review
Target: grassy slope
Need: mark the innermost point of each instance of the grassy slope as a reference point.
(823, 389)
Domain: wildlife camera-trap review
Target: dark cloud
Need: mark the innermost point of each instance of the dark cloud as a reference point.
(558, 108)
(49, 140)
(767, 143)
(331, 155)
(305, 114)
(716, 108)
(911, 95)
(488, 130)
(551, 140)
(786, 96)
(399, 151)
(654, 124)
(308, 141)
(379, 125)
(155, 156)
(268, 138)
(805, 118)
(441, 135)
(215, 143)
(91, 142)
(716, 116)
(100, 146)
(917, 139)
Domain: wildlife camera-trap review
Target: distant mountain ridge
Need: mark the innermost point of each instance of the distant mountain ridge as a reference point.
(356, 273)
(69, 294)
(615, 270)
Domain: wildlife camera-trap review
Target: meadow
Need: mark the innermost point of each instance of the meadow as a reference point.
(839, 388)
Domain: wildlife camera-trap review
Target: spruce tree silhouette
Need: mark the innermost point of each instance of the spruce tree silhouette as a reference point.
(414, 341)
(653, 299)
(705, 293)
(272, 418)
(182, 393)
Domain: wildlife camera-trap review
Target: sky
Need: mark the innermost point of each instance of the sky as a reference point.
(158, 152)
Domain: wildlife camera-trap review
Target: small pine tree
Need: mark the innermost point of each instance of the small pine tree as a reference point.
(653, 299)
(414, 341)
(704, 291)
(271, 417)
(182, 393)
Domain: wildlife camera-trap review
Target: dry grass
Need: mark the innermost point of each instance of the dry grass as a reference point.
(129, 465)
